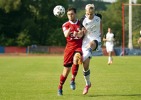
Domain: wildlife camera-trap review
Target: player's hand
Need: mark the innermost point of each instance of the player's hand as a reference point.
(80, 33)
(84, 30)
(75, 33)
(104, 39)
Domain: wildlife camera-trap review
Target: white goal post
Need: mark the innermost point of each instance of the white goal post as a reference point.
(130, 45)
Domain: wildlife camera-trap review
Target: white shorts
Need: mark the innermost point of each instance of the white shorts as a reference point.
(109, 48)
(86, 53)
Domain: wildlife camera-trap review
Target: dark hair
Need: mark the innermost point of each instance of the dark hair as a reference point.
(71, 8)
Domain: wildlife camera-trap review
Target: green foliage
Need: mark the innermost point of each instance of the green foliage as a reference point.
(57, 39)
(43, 28)
(23, 39)
(112, 18)
(34, 16)
(10, 5)
(135, 23)
(9, 42)
(80, 4)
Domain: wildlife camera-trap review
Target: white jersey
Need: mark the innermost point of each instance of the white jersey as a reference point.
(110, 39)
(109, 42)
(93, 29)
(93, 33)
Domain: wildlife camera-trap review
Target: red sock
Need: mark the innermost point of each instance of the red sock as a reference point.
(62, 81)
(74, 71)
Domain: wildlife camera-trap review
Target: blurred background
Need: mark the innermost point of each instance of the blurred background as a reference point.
(29, 26)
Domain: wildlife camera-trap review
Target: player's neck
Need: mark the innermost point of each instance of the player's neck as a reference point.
(73, 21)
(91, 18)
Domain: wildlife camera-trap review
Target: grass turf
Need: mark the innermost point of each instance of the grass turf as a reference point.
(37, 78)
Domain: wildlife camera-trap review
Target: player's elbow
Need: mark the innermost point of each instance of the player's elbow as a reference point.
(66, 33)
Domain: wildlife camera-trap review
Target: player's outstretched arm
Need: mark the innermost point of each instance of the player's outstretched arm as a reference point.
(101, 29)
(67, 32)
(104, 39)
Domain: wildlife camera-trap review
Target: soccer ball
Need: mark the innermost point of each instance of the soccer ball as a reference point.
(59, 11)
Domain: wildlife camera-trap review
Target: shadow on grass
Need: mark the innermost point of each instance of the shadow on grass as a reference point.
(114, 95)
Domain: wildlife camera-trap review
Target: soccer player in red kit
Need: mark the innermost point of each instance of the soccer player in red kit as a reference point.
(73, 51)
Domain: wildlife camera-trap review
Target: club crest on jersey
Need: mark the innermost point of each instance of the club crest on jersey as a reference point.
(72, 37)
(86, 24)
(97, 20)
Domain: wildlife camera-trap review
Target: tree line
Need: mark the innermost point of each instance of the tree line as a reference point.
(28, 22)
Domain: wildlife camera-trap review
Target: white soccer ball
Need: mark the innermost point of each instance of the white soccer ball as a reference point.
(59, 11)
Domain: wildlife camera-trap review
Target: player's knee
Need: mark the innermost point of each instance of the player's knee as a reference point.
(94, 44)
(77, 56)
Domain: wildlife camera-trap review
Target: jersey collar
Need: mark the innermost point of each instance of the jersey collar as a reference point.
(73, 22)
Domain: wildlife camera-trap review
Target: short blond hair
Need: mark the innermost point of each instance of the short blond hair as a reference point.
(88, 6)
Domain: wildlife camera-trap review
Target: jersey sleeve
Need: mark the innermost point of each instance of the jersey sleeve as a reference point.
(65, 27)
(99, 15)
(114, 36)
(81, 22)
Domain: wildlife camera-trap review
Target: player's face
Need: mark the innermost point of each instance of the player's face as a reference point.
(109, 30)
(90, 13)
(71, 15)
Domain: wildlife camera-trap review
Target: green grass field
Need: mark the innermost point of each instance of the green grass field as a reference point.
(37, 77)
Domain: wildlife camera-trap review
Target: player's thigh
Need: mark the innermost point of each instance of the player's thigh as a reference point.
(68, 58)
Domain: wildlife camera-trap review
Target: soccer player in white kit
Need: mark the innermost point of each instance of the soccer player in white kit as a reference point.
(109, 45)
(92, 26)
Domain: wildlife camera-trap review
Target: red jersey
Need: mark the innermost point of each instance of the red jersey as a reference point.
(74, 43)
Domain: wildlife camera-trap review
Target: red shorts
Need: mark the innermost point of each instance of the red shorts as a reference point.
(68, 56)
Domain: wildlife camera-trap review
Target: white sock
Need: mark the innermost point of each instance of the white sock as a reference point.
(109, 59)
(87, 77)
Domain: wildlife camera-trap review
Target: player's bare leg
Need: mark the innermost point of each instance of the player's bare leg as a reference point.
(91, 46)
(110, 59)
(63, 78)
(76, 61)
